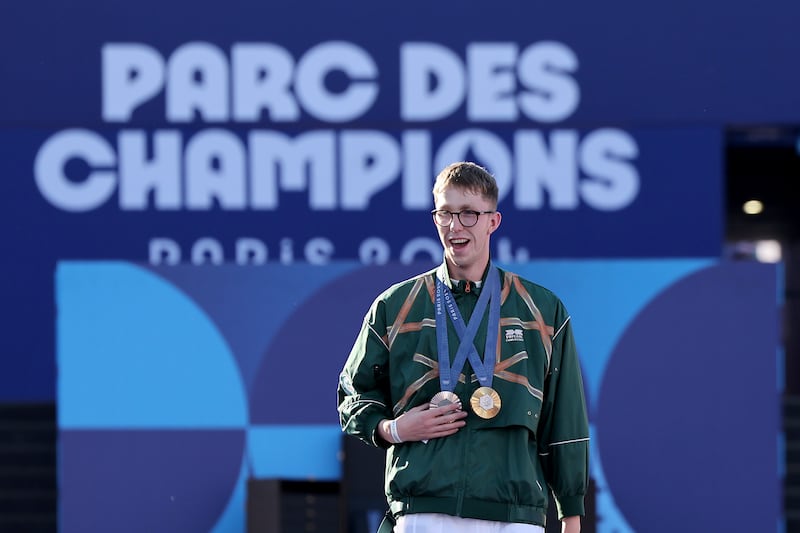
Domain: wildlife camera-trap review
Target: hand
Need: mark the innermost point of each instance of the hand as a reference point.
(424, 423)
(571, 524)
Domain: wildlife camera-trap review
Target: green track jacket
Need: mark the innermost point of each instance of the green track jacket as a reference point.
(495, 469)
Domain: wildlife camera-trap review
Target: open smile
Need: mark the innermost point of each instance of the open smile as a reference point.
(458, 243)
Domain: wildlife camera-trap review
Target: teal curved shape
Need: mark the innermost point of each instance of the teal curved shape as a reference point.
(133, 351)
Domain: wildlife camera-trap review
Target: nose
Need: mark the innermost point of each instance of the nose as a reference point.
(455, 220)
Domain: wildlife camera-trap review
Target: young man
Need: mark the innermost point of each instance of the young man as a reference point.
(468, 376)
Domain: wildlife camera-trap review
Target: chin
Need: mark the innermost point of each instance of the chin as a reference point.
(458, 260)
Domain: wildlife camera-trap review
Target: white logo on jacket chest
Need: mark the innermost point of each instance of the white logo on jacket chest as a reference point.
(513, 335)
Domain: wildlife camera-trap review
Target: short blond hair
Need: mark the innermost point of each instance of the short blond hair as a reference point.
(469, 176)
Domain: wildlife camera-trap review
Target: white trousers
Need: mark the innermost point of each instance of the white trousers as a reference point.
(444, 523)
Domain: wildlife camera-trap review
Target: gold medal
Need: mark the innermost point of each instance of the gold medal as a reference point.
(485, 402)
(445, 397)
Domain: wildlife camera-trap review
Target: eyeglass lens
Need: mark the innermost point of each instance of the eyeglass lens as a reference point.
(466, 218)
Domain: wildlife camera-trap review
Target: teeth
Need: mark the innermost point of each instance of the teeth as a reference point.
(458, 241)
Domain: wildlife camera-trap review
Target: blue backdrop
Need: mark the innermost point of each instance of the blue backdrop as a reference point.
(178, 383)
(191, 133)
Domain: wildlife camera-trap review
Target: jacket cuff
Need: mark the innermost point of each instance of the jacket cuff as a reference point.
(570, 506)
(377, 440)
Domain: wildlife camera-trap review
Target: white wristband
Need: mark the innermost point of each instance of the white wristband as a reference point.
(393, 430)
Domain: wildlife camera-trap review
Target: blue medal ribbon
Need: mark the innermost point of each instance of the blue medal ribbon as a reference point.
(484, 369)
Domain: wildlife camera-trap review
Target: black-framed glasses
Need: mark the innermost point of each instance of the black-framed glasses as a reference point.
(467, 217)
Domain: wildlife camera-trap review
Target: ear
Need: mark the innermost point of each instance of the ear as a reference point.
(494, 222)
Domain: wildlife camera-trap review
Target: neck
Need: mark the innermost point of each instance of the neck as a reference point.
(472, 273)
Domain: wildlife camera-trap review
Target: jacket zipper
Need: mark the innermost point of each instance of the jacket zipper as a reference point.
(467, 307)
(464, 477)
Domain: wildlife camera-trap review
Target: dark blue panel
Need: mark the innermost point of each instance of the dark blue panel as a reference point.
(134, 481)
(688, 396)
(710, 62)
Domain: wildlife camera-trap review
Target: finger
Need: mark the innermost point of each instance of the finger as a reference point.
(443, 418)
(448, 409)
(453, 407)
(445, 430)
(452, 414)
(452, 418)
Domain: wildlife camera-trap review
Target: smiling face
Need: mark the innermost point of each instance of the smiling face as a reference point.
(466, 250)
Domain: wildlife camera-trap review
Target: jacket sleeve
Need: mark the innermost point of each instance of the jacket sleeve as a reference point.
(364, 397)
(564, 427)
